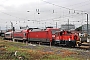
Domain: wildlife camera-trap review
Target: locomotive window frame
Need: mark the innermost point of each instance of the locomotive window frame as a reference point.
(7, 34)
(54, 31)
(57, 33)
(24, 34)
(61, 33)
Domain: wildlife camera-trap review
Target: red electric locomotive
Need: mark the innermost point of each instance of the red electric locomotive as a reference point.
(42, 36)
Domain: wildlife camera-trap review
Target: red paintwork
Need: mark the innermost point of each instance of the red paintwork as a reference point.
(50, 34)
(20, 34)
(8, 35)
(67, 36)
(44, 34)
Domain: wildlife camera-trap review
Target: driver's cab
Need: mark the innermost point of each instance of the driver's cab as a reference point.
(60, 33)
(57, 33)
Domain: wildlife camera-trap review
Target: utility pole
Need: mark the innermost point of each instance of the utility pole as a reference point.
(12, 34)
(0, 28)
(87, 24)
(6, 28)
(56, 24)
(45, 25)
(11, 25)
(68, 24)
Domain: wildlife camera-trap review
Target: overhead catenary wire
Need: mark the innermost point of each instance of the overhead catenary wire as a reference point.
(61, 6)
(79, 3)
(83, 5)
(53, 12)
(64, 16)
(23, 19)
(65, 8)
(12, 15)
(39, 11)
(29, 20)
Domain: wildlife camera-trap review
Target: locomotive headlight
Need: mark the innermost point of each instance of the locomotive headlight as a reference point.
(69, 39)
(53, 35)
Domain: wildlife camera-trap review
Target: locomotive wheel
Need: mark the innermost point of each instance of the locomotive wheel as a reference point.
(53, 42)
(57, 43)
(70, 44)
(67, 44)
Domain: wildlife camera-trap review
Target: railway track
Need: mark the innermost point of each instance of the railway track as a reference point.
(81, 48)
(84, 47)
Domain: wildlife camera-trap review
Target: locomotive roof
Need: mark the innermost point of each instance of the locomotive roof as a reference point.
(8, 32)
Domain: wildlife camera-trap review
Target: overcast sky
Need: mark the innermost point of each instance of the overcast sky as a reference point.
(51, 11)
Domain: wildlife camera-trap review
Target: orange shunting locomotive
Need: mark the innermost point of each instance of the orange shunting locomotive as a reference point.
(66, 38)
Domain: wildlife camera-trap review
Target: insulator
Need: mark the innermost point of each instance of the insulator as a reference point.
(69, 11)
(74, 11)
(28, 11)
(36, 10)
(53, 11)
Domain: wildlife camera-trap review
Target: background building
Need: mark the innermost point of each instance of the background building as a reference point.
(84, 28)
(67, 26)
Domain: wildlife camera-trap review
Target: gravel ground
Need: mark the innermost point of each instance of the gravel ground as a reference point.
(73, 52)
(63, 51)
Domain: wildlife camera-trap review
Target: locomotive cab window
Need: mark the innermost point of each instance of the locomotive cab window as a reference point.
(54, 31)
(68, 32)
(7, 34)
(57, 34)
(61, 33)
(24, 34)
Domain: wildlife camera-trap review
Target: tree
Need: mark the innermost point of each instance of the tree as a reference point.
(79, 28)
